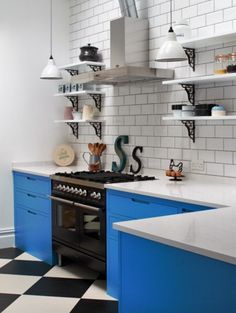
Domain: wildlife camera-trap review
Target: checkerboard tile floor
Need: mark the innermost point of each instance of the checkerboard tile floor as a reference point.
(28, 285)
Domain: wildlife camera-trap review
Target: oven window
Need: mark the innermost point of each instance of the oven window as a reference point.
(92, 225)
(66, 217)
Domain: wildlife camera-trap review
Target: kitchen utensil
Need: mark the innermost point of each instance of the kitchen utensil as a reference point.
(91, 148)
(102, 148)
(64, 155)
(89, 53)
(94, 162)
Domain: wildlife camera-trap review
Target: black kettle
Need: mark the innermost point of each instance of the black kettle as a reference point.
(89, 53)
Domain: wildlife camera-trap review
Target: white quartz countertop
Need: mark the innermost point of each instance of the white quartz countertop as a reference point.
(44, 168)
(197, 189)
(210, 233)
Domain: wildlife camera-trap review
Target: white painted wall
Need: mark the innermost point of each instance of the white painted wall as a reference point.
(28, 108)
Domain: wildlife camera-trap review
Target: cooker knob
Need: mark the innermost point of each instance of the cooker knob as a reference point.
(80, 192)
(71, 190)
(99, 196)
(76, 191)
(63, 188)
(59, 187)
(93, 195)
(84, 193)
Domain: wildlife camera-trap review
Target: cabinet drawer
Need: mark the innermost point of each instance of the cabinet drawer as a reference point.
(111, 232)
(32, 183)
(138, 207)
(33, 233)
(32, 200)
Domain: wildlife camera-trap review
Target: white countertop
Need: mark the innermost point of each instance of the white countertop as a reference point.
(44, 168)
(211, 233)
(197, 189)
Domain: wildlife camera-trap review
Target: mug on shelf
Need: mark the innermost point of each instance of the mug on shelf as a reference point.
(68, 113)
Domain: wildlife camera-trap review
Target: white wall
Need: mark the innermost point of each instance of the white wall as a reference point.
(137, 109)
(27, 105)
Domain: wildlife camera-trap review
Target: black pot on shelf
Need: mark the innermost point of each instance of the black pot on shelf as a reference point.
(89, 53)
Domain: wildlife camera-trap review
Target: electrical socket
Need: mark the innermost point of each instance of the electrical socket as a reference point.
(198, 166)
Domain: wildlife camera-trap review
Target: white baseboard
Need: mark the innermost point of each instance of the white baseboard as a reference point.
(7, 238)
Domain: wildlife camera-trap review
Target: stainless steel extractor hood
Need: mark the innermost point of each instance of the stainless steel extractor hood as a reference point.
(129, 52)
(128, 8)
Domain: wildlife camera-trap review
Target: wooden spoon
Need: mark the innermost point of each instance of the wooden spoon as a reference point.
(91, 148)
(102, 148)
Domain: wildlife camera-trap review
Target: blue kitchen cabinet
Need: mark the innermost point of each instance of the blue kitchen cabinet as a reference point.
(33, 222)
(160, 278)
(123, 206)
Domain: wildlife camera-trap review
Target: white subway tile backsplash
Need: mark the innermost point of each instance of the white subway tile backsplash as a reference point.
(136, 109)
(222, 4)
(224, 157)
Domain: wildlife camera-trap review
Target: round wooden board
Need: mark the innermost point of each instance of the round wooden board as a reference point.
(63, 155)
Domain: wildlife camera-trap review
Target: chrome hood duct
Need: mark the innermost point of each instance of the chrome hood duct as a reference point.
(128, 8)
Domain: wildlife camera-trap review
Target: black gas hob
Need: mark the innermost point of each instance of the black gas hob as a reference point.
(105, 177)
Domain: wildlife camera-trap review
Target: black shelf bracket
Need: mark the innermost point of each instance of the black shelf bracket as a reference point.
(98, 128)
(190, 89)
(72, 72)
(95, 68)
(74, 101)
(191, 57)
(190, 125)
(97, 99)
(75, 128)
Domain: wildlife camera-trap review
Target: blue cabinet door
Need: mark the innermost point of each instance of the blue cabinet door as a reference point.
(123, 206)
(33, 230)
(33, 233)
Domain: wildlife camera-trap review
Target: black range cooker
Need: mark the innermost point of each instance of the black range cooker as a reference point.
(79, 214)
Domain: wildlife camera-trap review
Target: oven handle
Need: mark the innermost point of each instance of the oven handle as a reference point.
(84, 206)
(61, 200)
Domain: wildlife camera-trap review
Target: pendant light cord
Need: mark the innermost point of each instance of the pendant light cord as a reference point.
(51, 30)
(171, 19)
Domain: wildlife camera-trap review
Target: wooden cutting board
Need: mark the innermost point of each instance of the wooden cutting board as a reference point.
(64, 155)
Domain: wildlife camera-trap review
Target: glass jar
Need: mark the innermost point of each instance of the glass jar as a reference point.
(182, 29)
(221, 63)
(231, 68)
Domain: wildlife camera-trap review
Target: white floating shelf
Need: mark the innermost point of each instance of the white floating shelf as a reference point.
(79, 121)
(199, 118)
(79, 93)
(208, 41)
(201, 79)
(79, 65)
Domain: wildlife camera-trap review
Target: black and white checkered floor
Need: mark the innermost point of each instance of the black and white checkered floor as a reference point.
(28, 285)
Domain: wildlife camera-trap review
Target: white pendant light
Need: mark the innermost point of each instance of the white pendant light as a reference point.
(171, 50)
(51, 71)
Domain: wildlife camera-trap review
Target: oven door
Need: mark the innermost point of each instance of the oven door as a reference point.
(65, 219)
(92, 229)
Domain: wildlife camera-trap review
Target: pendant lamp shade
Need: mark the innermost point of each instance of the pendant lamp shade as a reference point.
(51, 71)
(171, 50)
